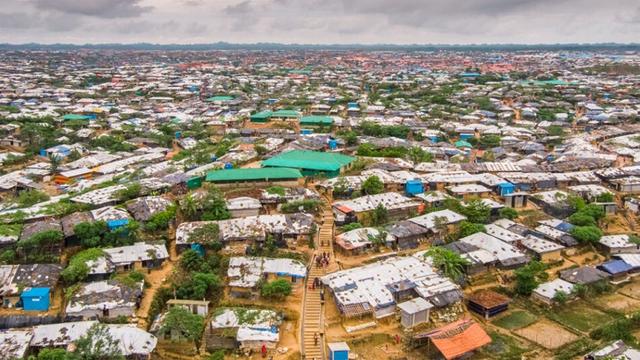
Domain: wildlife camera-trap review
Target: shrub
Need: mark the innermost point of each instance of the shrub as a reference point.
(276, 289)
(587, 234)
(508, 213)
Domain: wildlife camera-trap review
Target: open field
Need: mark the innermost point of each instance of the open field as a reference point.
(515, 320)
(547, 334)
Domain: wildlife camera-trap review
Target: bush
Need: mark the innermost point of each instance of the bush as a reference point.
(276, 289)
(307, 205)
(468, 228)
(582, 219)
(198, 286)
(161, 220)
(77, 270)
(587, 234)
(508, 213)
(529, 276)
(351, 226)
(373, 185)
(31, 197)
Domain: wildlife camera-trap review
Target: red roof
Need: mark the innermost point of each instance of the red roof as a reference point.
(458, 338)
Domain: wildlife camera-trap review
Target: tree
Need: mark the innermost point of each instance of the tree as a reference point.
(373, 185)
(198, 286)
(489, 141)
(467, 228)
(183, 322)
(605, 197)
(508, 213)
(450, 263)
(90, 233)
(560, 297)
(582, 219)
(416, 155)
(440, 224)
(53, 354)
(191, 261)
(529, 277)
(380, 215)
(593, 210)
(189, 207)
(587, 234)
(161, 220)
(215, 206)
(341, 187)
(98, 344)
(77, 270)
(476, 211)
(260, 149)
(54, 162)
(276, 289)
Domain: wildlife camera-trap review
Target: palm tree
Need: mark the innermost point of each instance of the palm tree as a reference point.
(189, 207)
(54, 161)
(450, 263)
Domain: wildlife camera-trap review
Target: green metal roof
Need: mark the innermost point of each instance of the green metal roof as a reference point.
(286, 114)
(253, 174)
(262, 115)
(462, 143)
(316, 120)
(76, 117)
(220, 98)
(312, 160)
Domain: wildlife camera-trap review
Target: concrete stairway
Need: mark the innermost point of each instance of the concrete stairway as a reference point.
(313, 312)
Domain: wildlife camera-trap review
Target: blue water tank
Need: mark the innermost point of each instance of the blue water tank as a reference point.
(36, 299)
(178, 134)
(306, 131)
(43, 152)
(413, 187)
(465, 136)
(434, 138)
(333, 144)
(506, 188)
(228, 165)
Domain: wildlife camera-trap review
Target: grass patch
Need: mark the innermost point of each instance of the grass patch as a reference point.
(580, 316)
(516, 320)
(575, 349)
(503, 347)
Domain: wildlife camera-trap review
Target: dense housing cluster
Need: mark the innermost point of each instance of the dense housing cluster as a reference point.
(319, 204)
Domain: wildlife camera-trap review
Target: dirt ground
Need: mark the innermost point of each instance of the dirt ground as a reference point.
(619, 302)
(547, 334)
(632, 289)
(155, 279)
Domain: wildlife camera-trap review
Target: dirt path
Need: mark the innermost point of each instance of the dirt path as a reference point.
(155, 279)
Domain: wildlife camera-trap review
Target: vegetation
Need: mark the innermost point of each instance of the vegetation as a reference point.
(306, 205)
(31, 197)
(417, 155)
(184, 323)
(468, 228)
(508, 213)
(529, 277)
(205, 205)
(373, 185)
(587, 234)
(78, 270)
(450, 263)
(380, 215)
(161, 220)
(276, 289)
(207, 235)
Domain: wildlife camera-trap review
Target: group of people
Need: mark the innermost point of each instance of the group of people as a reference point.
(322, 260)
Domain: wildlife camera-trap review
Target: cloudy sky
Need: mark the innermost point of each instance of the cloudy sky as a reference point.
(320, 21)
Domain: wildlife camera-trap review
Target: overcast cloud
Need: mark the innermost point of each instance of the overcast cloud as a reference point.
(320, 21)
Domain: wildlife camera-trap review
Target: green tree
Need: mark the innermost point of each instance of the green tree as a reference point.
(276, 289)
(373, 185)
(582, 219)
(416, 155)
(191, 261)
(529, 277)
(508, 213)
(198, 286)
(560, 297)
(450, 263)
(54, 162)
(77, 270)
(98, 344)
(587, 234)
(341, 187)
(489, 141)
(467, 228)
(476, 211)
(183, 322)
(90, 233)
(380, 215)
(605, 197)
(53, 354)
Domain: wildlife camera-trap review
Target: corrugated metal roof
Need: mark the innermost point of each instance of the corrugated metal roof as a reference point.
(253, 174)
(312, 160)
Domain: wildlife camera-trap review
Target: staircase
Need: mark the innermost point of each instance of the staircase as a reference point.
(313, 312)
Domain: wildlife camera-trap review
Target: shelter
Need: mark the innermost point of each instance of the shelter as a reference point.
(414, 312)
(487, 303)
(311, 162)
(262, 175)
(36, 299)
(458, 338)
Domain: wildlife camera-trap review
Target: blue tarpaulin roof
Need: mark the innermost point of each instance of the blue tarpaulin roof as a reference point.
(615, 267)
